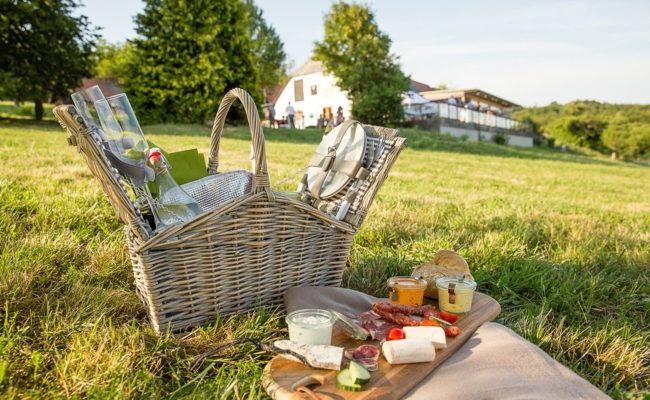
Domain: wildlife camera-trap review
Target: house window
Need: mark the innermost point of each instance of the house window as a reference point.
(298, 91)
(314, 90)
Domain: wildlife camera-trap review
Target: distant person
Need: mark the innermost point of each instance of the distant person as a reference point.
(329, 124)
(470, 115)
(489, 117)
(290, 114)
(320, 123)
(339, 116)
(452, 101)
(272, 115)
(299, 120)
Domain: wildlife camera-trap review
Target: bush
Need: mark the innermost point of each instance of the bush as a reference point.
(623, 128)
(627, 138)
(550, 141)
(500, 138)
(580, 131)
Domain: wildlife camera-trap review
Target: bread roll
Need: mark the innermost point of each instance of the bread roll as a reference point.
(445, 263)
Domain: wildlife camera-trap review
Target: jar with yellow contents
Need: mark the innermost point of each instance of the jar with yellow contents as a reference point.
(455, 294)
(406, 290)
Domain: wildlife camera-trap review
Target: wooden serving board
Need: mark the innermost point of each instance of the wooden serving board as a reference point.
(389, 381)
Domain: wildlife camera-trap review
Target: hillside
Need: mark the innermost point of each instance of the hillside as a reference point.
(620, 128)
(559, 239)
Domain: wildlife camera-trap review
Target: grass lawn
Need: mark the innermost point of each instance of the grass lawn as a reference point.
(24, 111)
(560, 240)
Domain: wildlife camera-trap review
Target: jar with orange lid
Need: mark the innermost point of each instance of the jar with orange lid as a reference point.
(406, 290)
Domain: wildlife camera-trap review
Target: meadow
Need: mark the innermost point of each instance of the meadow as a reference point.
(559, 239)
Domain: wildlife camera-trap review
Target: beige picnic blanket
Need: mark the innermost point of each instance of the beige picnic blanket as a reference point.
(495, 363)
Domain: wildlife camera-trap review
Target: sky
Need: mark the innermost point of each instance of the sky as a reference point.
(529, 52)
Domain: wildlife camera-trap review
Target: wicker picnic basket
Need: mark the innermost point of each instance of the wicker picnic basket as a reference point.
(242, 254)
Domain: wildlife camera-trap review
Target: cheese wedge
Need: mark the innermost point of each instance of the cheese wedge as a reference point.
(434, 334)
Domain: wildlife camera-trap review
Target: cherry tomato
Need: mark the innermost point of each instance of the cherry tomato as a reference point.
(451, 331)
(395, 334)
(449, 317)
(429, 322)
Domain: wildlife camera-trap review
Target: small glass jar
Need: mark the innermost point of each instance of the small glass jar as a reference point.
(406, 290)
(311, 326)
(455, 294)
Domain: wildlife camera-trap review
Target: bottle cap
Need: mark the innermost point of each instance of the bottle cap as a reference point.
(154, 153)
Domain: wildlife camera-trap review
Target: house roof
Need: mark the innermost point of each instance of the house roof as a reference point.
(274, 93)
(420, 87)
(438, 95)
(309, 67)
(312, 66)
(109, 86)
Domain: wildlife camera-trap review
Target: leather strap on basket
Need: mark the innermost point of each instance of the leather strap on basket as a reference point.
(329, 160)
(261, 175)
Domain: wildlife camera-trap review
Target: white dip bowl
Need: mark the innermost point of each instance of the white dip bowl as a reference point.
(310, 326)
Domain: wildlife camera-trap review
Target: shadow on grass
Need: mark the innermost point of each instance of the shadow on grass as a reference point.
(426, 140)
(309, 135)
(46, 124)
(416, 140)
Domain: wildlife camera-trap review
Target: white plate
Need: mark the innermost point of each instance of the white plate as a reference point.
(352, 147)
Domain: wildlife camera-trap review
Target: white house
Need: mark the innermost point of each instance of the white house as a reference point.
(312, 92)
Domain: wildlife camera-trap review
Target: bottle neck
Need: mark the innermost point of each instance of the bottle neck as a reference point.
(164, 179)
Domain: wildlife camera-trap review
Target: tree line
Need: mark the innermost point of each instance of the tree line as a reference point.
(188, 54)
(623, 129)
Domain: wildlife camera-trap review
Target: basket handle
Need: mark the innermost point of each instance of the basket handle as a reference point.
(261, 177)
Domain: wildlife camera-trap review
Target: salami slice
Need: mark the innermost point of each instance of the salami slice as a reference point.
(378, 328)
(367, 316)
(367, 355)
(386, 315)
(393, 308)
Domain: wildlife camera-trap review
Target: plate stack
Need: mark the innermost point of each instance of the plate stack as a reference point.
(347, 169)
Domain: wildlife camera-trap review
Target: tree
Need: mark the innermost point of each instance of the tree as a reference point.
(637, 144)
(113, 60)
(623, 129)
(626, 138)
(46, 49)
(580, 131)
(614, 135)
(188, 55)
(268, 49)
(358, 54)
